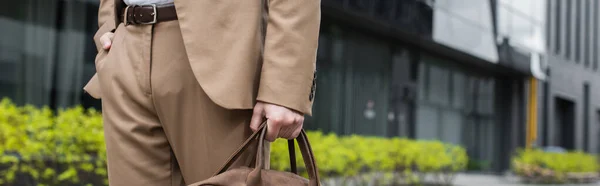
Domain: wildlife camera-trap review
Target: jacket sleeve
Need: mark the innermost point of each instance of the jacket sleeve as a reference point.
(106, 20)
(289, 58)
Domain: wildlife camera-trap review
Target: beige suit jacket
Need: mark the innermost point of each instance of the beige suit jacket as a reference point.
(242, 51)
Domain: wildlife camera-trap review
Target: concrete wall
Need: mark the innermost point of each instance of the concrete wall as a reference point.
(567, 81)
(573, 61)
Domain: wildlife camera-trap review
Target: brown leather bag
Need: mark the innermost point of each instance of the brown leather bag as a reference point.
(259, 176)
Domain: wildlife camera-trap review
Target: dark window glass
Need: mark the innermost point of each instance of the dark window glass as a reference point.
(361, 5)
(384, 9)
(588, 33)
(548, 26)
(568, 28)
(557, 27)
(578, 25)
(545, 125)
(597, 120)
(564, 115)
(456, 105)
(596, 35)
(586, 116)
(338, 1)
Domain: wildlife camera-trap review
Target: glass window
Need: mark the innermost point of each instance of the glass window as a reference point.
(452, 126)
(352, 94)
(384, 8)
(370, 60)
(538, 11)
(587, 37)
(458, 88)
(475, 12)
(486, 97)
(42, 55)
(568, 21)
(470, 93)
(533, 9)
(470, 117)
(523, 29)
(427, 122)
(504, 21)
(423, 81)
(557, 27)
(438, 85)
(457, 32)
(596, 37)
(362, 5)
(486, 137)
(578, 25)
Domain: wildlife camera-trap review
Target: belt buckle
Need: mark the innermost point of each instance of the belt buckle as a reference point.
(125, 15)
(154, 13)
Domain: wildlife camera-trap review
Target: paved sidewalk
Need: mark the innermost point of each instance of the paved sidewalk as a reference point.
(462, 179)
(470, 179)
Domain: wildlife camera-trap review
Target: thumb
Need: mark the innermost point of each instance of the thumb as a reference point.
(106, 40)
(257, 118)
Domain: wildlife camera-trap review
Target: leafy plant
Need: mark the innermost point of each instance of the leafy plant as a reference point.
(349, 156)
(552, 167)
(39, 146)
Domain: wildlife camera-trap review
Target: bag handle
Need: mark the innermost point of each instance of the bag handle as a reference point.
(239, 151)
(305, 149)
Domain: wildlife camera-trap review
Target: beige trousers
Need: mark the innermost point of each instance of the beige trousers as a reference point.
(160, 126)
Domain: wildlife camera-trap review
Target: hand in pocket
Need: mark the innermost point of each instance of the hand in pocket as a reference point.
(106, 40)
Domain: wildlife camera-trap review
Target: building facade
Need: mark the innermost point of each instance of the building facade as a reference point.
(455, 71)
(571, 112)
(446, 70)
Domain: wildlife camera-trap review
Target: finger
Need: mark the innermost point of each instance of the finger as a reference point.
(295, 128)
(257, 118)
(106, 40)
(288, 128)
(299, 126)
(274, 125)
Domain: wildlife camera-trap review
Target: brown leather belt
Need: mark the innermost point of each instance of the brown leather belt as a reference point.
(147, 14)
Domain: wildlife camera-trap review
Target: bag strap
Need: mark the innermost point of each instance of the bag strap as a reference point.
(241, 149)
(292, 152)
(246, 144)
(309, 159)
(305, 149)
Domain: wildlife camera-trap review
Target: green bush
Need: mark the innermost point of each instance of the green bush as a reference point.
(39, 146)
(550, 167)
(350, 155)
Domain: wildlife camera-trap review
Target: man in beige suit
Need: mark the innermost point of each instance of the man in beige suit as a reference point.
(184, 82)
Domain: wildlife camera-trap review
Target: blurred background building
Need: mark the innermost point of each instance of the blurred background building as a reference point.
(571, 116)
(457, 71)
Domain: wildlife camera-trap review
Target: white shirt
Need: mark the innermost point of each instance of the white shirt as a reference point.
(146, 2)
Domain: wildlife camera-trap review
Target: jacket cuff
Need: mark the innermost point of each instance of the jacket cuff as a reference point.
(293, 91)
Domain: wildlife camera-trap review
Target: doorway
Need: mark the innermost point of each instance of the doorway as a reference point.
(564, 119)
(597, 121)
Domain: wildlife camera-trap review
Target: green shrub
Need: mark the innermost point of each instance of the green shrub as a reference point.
(351, 155)
(52, 149)
(553, 167)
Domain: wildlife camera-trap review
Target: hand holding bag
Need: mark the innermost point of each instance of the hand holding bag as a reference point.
(259, 176)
